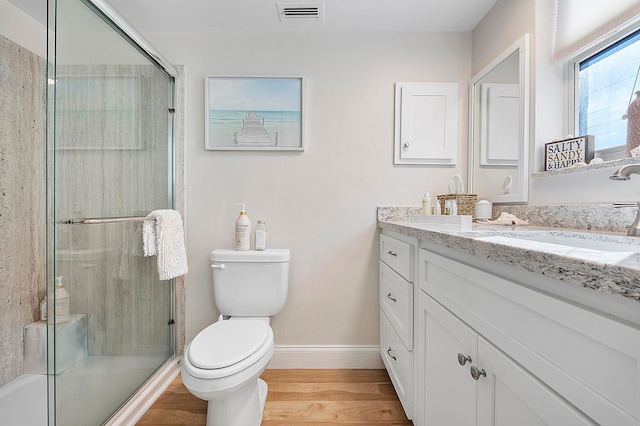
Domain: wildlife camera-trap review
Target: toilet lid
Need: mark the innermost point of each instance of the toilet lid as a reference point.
(225, 343)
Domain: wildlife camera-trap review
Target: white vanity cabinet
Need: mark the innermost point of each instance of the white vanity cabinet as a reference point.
(536, 359)
(397, 271)
(465, 380)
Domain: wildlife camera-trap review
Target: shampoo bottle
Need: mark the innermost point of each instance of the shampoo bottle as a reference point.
(426, 203)
(243, 230)
(61, 302)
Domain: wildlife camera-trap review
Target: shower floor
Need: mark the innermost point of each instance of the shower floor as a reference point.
(94, 388)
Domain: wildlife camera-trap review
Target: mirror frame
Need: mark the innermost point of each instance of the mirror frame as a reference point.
(519, 194)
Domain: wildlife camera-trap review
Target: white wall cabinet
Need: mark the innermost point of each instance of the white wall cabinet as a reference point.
(426, 123)
(539, 359)
(397, 271)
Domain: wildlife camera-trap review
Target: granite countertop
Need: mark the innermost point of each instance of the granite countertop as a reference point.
(615, 271)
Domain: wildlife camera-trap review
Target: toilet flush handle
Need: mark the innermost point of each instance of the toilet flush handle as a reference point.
(218, 266)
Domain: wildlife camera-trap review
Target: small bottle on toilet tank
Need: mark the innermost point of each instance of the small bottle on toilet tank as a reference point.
(261, 235)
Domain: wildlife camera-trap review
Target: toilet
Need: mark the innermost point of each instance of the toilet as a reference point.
(224, 362)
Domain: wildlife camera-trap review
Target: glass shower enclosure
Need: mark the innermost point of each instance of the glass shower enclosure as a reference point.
(110, 157)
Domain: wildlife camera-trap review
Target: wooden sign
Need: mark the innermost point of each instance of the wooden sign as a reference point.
(568, 152)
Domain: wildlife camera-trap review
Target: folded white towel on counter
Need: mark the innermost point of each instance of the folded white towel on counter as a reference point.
(163, 235)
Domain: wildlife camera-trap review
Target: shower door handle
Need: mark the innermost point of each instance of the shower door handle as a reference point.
(218, 266)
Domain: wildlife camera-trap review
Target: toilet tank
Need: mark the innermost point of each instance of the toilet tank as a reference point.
(250, 283)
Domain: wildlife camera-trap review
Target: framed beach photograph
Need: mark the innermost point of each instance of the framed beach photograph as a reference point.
(253, 113)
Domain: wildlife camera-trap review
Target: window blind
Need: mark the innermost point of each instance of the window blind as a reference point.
(583, 24)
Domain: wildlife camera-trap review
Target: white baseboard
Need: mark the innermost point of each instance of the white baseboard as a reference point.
(142, 400)
(289, 356)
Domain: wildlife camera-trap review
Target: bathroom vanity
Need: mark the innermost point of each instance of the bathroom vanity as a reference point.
(504, 325)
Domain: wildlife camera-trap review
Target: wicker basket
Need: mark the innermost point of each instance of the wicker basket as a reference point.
(464, 202)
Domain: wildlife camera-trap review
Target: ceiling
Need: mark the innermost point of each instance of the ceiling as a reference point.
(263, 15)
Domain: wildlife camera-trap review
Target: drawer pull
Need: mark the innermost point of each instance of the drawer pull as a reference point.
(390, 297)
(475, 373)
(389, 353)
(392, 253)
(462, 360)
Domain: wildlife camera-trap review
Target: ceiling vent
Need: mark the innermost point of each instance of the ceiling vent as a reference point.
(296, 11)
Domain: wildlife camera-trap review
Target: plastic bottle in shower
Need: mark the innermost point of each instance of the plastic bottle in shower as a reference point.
(61, 302)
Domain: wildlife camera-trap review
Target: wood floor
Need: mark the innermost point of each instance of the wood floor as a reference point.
(298, 397)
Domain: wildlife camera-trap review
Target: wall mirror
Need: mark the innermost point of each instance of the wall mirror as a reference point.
(499, 127)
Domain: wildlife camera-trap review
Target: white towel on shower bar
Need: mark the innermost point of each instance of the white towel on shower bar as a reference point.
(163, 235)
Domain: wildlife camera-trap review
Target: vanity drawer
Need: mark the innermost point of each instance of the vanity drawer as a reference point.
(399, 363)
(396, 301)
(398, 255)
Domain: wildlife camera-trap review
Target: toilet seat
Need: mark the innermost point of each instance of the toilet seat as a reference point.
(226, 347)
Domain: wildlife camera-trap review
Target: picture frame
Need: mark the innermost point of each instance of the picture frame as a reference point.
(568, 152)
(254, 113)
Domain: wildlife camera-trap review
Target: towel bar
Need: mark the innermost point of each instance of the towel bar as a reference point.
(99, 220)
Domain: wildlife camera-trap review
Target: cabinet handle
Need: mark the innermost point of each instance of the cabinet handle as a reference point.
(406, 145)
(392, 253)
(389, 353)
(475, 373)
(390, 297)
(462, 360)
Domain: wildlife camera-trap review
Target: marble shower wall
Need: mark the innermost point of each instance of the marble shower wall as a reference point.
(113, 161)
(22, 199)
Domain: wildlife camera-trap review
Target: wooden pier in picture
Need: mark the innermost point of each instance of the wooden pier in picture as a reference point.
(253, 133)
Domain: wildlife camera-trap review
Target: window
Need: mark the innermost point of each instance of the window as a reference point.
(605, 84)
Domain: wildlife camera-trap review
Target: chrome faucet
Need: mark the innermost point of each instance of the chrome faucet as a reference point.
(624, 173)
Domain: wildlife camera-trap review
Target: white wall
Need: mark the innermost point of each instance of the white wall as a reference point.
(505, 23)
(320, 203)
(22, 29)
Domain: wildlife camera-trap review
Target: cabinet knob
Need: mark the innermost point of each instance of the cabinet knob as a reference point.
(475, 373)
(393, 299)
(406, 145)
(390, 354)
(392, 253)
(462, 360)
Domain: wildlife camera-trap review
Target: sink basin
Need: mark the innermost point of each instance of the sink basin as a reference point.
(579, 240)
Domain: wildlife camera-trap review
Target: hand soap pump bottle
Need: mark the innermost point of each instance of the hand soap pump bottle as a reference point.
(243, 230)
(61, 302)
(426, 204)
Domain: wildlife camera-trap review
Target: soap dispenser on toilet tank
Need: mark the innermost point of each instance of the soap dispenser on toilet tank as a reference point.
(243, 230)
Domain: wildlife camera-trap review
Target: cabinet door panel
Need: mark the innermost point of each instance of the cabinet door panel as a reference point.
(508, 395)
(426, 123)
(447, 391)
